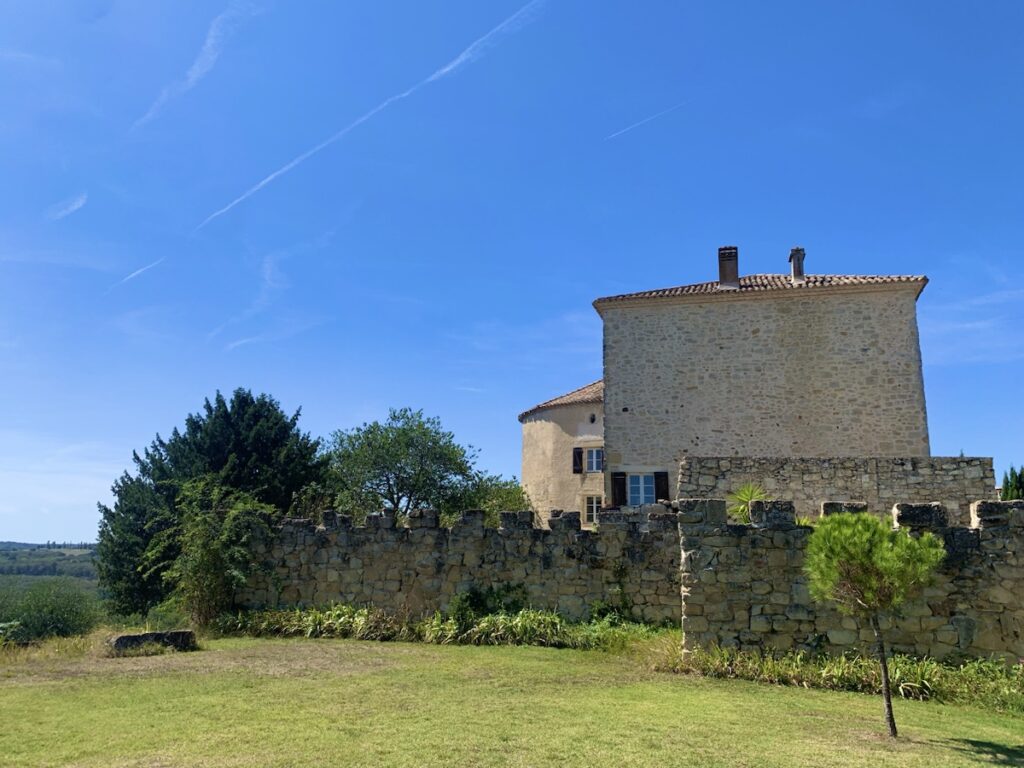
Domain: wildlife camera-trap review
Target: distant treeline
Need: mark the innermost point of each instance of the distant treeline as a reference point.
(7, 545)
(52, 561)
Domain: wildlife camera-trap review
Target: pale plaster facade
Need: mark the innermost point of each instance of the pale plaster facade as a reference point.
(550, 435)
(818, 372)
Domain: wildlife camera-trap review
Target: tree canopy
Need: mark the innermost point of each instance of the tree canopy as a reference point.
(1013, 484)
(404, 463)
(247, 445)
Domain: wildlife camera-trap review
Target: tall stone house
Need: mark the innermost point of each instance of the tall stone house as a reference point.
(763, 368)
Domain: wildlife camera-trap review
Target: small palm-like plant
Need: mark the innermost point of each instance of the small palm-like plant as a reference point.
(743, 498)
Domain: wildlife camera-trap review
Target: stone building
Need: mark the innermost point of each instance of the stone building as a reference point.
(563, 453)
(765, 366)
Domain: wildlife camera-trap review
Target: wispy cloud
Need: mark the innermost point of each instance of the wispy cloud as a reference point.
(135, 274)
(286, 331)
(24, 57)
(273, 280)
(474, 51)
(474, 390)
(217, 34)
(646, 120)
(980, 328)
(67, 207)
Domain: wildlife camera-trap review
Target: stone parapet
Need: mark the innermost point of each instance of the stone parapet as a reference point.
(877, 482)
(743, 586)
(631, 561)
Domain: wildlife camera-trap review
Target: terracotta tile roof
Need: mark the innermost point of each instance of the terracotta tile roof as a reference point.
(591, 393)
(760, 283)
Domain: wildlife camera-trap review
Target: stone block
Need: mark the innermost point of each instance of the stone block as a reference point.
(994, 514)
(842, 636)
(472, 520)
(920, 517)
(843, 507)
(179, 639)
(773, 514)
(423, 518)
(565, 521)
(708, 511)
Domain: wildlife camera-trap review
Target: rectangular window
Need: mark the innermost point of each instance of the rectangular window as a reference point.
(590, 509)
(640, 490)
(595, 459)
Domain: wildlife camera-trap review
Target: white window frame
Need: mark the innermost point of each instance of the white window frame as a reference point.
(590, 512)
(594, 460)
(643, 479)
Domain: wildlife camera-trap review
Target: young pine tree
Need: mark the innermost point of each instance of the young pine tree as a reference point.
(868, 569)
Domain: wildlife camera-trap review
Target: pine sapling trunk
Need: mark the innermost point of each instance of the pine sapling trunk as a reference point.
(886, 688)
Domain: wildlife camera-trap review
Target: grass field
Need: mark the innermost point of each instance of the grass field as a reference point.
(339, 703)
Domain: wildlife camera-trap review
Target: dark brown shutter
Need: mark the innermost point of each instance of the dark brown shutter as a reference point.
(577, 461)
(618, 489)
(660, 486)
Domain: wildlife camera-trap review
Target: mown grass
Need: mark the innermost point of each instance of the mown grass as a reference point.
(297, 702)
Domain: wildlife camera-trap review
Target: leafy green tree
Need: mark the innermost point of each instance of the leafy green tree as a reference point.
(491, 493)
(1013, 484)
(743, 498)
(219, 530)
(407, 462)
(868, 570)
(247, 444)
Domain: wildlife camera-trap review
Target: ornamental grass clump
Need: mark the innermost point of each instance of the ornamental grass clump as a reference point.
(981, 682)
(525, 626)
(868, 570)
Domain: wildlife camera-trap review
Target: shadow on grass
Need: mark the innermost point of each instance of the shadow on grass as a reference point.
(991, 752)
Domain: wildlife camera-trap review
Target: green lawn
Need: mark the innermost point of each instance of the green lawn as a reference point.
(333, 702)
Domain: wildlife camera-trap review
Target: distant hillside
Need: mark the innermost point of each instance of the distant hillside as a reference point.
(74, 560)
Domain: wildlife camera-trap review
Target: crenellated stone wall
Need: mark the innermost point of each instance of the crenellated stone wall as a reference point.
(880, 482)
(740, 585)
(743, 585)
(632, 562)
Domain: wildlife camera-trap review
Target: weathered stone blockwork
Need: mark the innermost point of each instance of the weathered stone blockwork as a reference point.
(802, 372)
(954, 482)
(633, 560)
(743, 585)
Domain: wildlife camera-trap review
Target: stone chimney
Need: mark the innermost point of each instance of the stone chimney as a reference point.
(796, 262)
(728, 268)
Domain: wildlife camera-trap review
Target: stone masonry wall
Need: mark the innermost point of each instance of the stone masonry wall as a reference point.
(633, 561)
(954, 482)
(743, 585)
(802, 372)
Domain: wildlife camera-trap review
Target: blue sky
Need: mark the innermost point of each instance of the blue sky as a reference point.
(469, 177)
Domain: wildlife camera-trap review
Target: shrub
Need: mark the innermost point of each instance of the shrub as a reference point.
(475, 602)
(51, 608)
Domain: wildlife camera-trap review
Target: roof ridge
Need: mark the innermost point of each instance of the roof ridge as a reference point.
(571, 398)
(767, 281)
